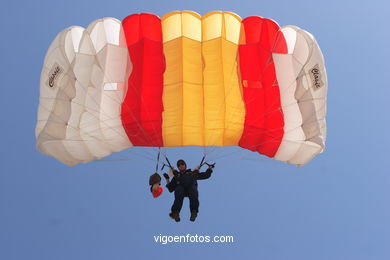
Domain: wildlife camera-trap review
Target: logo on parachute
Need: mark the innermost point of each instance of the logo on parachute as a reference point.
(315, 76)
(54, 75)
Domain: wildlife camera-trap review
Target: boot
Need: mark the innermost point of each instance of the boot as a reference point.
(194, 214)
(175, 216)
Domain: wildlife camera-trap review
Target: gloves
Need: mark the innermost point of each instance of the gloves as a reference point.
(211, 166)
(196, 168)
(166, 176)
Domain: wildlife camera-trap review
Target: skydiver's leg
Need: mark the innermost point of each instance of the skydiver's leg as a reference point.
(194, 201)
(179, 197)
(193, 196)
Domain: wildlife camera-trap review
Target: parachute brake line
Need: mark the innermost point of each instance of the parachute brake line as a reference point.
(166, 165)
(201, 162)
(158, 158)
(169, 164)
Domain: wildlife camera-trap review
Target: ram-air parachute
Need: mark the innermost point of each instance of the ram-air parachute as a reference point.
(182, 80)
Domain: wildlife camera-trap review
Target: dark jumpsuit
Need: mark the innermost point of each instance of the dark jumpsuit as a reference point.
(185, 185)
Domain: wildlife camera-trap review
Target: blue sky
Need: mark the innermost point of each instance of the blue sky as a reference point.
(336, 207)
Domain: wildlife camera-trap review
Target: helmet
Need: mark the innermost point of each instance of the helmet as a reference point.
(179, 162)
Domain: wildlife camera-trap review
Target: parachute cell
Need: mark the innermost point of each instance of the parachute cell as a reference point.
(264, 119)
(80, 111)
(303, 84)
(142, 108)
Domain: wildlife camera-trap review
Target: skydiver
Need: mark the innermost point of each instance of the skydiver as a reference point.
(184, 184)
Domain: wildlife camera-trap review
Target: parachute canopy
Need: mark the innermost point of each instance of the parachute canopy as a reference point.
(182, 80)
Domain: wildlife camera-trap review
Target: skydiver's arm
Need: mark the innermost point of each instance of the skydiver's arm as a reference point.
(166, 176)
(175, 172)
(171, 185)
(203, 175)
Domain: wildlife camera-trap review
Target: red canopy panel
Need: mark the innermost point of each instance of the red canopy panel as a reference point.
(142, 108)
(263, 127)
